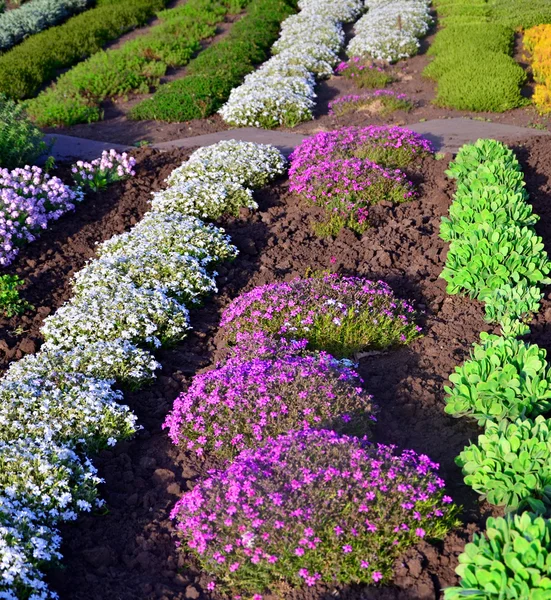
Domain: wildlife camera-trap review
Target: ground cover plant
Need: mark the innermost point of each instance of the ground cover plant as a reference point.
(382, 102)
(283, 532)
(537, 41)
(212, 75)
(347, 170)
(365, 73)
(473, 64)
(280, 94)
(11, 302)
(34, 16)
(245, 401)
(341, 315)
(136, 67)
(27, 67)
(504, 385)
(511, 558)
(64, 394)
(390, 30)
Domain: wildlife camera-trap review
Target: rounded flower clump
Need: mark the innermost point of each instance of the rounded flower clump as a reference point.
(311, 506)
(341, 315)
(345, 188)
(242, 403)
(390, 147)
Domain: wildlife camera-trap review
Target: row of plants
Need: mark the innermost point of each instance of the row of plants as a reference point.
(538, 40)
(37, 60)
(212, 75)
(350, 169)
(35, 16)
(281, 91)
(473, 50)
(390, 30)
(136, 66)
(59, 405)
(300, 496)
(495, 256)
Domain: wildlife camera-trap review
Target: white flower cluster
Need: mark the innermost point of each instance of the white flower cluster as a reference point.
(59, 405)
(281, 91)
(390, 30)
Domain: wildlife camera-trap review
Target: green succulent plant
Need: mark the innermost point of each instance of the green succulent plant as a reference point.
(512, 306)
(504, 379)
(482, 151)
(511, 463)
(512, 561)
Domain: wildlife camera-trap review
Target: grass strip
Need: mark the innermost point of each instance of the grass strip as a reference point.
(135, 67)
(37, 60)
(218, 69)
(473, 62)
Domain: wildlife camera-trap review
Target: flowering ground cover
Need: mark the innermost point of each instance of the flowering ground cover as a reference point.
(536, 39)
(382, 101)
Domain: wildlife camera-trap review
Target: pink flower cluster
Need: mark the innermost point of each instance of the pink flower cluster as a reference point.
(357, 63)
(347, 170)
(310, 506)
(29, 199)
(244, 402)
(99, 173)
(338, 314)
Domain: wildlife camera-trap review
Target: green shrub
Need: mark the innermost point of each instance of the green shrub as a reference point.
(504, 379)
(25, 68)
(219, 68)
(511, 561)
(11, 302)
(135, 67)
(21, 143)
(473, 65)
(483, 151)
(511, 463)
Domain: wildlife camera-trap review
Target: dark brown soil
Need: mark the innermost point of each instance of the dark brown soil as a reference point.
(129, 553)
(47, 264)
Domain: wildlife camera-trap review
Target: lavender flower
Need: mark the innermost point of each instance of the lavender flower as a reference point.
(99, 173)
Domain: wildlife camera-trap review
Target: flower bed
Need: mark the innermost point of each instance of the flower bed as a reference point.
(64, 394)
(357, 314)
(347, 170)
(390, 30)
(311, 506)
(279, 94)
(537, 41)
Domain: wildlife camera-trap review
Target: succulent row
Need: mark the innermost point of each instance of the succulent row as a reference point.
(281, 91)
(495, 256)
(59, 405)
(347, 170)
(390, 30)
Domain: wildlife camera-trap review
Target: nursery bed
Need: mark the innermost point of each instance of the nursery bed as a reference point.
(129, 552)
(47, 264)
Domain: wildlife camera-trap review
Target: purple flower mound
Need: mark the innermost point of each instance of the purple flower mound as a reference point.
(29, 199)
(241, 404)
(311, 506)
(390, 147)
(341, 315)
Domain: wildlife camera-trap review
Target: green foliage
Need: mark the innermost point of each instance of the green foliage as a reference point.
(510, 463)
(21, 142)
(25, 68)
(135, 67)
(504, 379)
(11, 302)
(495, 255)
(512, 561)
(220, 67)
(473, 65)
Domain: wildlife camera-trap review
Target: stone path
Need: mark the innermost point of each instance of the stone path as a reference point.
(447, 135)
